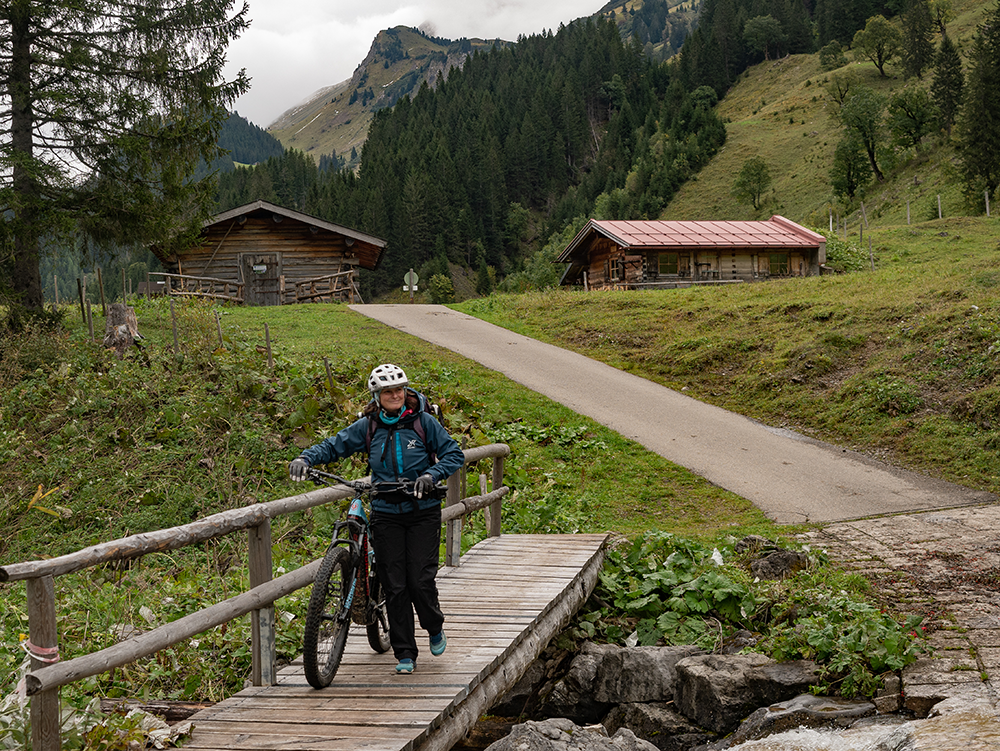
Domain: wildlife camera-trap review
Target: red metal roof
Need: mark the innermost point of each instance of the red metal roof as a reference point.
(776, 232)
(772, 233)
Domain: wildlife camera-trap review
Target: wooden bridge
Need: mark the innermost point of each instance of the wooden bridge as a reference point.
(503, 601)
(502, 605)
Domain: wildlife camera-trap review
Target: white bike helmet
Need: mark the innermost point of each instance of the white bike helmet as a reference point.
(385, 377)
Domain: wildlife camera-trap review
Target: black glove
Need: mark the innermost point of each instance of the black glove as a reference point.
(424, 485)
(298, 469)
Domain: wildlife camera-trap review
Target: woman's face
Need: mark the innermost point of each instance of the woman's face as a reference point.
(392, 400)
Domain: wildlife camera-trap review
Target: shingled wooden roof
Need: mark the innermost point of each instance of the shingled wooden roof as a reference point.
(368, 248)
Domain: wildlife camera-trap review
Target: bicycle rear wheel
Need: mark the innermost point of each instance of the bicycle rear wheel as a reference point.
(327, 620)
(378, 618)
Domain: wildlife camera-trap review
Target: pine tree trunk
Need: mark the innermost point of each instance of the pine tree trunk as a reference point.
(26, 275)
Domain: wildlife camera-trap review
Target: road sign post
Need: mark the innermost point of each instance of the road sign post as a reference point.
(410, 280)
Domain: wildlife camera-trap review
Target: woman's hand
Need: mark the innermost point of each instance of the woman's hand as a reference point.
(298, 470)
(424, 485)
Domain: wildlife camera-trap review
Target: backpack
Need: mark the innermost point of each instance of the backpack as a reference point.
(418, 427)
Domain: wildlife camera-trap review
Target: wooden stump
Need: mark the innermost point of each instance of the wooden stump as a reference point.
(121, 330)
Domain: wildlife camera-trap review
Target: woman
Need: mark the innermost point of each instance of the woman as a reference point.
(403, 441)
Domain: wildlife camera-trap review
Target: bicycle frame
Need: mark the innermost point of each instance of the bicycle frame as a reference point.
(358, 541)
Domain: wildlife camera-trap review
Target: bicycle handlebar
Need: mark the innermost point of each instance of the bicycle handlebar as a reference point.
(360, 486)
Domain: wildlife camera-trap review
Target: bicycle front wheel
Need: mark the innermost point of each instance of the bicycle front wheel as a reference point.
(327, 620)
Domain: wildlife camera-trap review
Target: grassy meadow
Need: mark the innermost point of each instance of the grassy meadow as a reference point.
(900, 362)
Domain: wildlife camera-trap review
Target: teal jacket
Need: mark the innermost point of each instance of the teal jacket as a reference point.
(397, 452)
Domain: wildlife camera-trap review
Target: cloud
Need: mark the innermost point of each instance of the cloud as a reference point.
(295, 47)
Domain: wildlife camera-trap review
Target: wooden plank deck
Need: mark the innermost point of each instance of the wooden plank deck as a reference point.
(502, 604)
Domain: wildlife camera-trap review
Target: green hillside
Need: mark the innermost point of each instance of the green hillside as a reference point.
(780, 110)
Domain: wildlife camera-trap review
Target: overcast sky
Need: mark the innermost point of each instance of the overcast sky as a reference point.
(295, 47)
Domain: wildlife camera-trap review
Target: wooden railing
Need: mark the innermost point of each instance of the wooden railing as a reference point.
(201, 286)
(337, 287)
(48, 673)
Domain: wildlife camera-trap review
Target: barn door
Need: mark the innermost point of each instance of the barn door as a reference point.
(261, 274)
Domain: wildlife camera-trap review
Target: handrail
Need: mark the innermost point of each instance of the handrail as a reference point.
(168, 634)
(172, 538)
(44, 680)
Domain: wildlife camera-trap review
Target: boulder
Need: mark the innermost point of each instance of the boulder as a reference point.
(518, 700)
(751, 544)
(737, 642)
(779, 564)
(929, 680)
(805, 710)
(779, 681)
(639, 674)
(658, 723)
(560, 734)
(889, 697)
(717, 691)
(572, 696)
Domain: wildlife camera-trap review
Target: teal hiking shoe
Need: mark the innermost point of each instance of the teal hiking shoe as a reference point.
(406, 665)
(438, 644)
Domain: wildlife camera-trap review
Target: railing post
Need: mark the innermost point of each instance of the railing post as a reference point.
(493, 510)
(453, 528)
(43, 636)
(262, 621)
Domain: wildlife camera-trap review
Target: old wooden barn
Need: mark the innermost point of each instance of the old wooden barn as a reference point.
(645, 254)
(263, 254)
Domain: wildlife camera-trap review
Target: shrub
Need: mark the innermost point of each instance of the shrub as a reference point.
(441, 289)
(663, 589)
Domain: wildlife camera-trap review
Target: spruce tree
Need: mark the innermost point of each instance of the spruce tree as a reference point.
(107, 108)
(979, 124)
(918, 34)
(948, 83)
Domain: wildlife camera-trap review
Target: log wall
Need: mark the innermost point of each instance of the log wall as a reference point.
(300, 251)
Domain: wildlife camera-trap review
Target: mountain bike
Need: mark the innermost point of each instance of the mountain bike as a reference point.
(346, 589)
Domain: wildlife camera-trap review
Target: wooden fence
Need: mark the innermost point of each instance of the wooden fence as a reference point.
(201, 286)
(339, 287)
(48, 673)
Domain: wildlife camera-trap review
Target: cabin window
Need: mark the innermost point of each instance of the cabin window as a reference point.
(669, 263)
(616, 269)
(778, 264)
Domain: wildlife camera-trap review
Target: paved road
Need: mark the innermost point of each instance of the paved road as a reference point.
(791, 478)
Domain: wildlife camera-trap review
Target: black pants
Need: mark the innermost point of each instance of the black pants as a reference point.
(406, 556)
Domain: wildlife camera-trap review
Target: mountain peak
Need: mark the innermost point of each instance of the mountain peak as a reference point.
(336, 118)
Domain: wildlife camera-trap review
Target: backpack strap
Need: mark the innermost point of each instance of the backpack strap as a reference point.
(418, 427)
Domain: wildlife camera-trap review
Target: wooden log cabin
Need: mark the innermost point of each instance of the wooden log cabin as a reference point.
(263, 254)
(666, 254)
